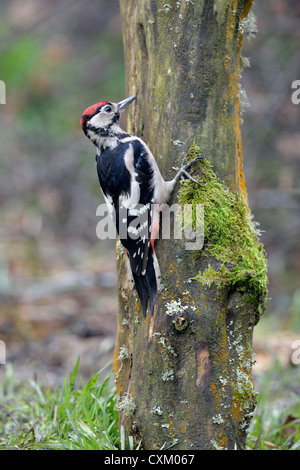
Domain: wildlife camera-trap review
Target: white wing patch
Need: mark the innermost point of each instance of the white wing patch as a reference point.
(131, 200)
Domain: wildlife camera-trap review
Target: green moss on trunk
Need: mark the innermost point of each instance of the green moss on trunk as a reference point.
(231, 236)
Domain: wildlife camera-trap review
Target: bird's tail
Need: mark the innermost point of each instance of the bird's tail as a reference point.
(147, 284)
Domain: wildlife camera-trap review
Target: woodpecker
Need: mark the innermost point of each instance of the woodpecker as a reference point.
(133, 189)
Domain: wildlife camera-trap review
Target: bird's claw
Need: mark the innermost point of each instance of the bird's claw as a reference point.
(185, 166)
(185, 173)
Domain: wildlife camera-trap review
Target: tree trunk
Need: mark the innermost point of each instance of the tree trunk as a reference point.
(184, 375)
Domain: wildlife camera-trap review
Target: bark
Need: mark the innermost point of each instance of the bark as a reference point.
(186, 378)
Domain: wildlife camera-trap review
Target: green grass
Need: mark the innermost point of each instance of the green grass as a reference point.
(276, 422)
(84, 416)
(275, 429)
(71, 417)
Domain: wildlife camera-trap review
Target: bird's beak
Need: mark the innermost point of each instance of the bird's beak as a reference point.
(124, 103)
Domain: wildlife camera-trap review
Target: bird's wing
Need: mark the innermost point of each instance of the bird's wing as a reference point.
(135, 208)
(127, 178)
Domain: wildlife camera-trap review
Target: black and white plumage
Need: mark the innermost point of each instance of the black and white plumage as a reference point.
(133, 188)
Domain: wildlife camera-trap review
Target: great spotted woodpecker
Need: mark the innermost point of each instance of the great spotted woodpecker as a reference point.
(133, 189)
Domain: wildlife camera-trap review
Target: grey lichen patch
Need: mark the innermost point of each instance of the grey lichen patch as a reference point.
(180, 6)
(165, 343)
(156, 410)
(244, 102)
(175, 307)
(166, 8)
(248, 26)
(165, 425)
(127, 404)
(244, 62)
(217, 419)
(231, 237)
(223, 380)
(178, 143)
(187, 2)
(124, 353)
(168, 376)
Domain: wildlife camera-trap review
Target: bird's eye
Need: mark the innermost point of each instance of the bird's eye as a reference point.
(108, 109)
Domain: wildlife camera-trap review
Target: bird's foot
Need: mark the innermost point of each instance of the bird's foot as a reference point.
(184, 167)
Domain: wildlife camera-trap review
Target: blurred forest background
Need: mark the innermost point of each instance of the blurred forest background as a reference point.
(57, 280)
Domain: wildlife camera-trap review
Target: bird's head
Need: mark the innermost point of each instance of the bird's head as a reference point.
(101, 119)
